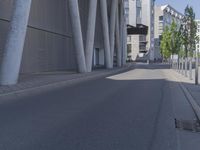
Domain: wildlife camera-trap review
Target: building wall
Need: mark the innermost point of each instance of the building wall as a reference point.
(49, 42)
(164, 16)
(158, 23)
(133, 12)
(148, 20)
(133, 41)
(130, 12)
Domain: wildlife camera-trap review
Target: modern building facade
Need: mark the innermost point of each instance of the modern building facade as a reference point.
(133, 12)
(46, 36)
(164, 16)
(148, 20)
(133, 17)
(140, 14)
(198, 34)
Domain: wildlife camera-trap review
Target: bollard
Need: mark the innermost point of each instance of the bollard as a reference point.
(190, 68)
(182, 66)
(186, 63)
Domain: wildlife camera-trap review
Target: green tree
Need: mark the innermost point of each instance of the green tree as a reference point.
(188, 31)
(171, 43)
(175, 35)
(165, 43)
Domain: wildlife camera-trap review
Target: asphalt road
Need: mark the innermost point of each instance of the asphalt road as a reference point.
(128, 111)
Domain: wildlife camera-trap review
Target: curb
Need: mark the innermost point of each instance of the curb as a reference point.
(190, 98)
(63, 83)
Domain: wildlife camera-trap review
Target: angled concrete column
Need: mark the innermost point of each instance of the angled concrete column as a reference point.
(122, 32)
(77, 35)
(11, 62)
(117, 30)
(104, 16)
(125, 42)
(114, 5)
(90, 34)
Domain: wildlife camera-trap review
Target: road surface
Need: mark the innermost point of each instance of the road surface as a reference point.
(128, 111)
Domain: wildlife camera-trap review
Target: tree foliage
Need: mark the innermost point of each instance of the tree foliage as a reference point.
(165, 43)
(188, 31)
(181, 39)
(171, 43)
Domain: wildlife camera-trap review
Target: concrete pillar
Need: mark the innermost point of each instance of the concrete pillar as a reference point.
(122, 32)
(125, 42)
(114, 5)
(90, 34)
(77, 35)
(104, 16)
(119, 50)
(11, 62)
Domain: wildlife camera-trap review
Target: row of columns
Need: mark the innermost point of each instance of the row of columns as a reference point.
(114, 35)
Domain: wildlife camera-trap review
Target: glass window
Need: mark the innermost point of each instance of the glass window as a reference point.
(129, 38)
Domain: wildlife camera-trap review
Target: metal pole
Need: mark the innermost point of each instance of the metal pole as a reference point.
(178, 65)
(181, 71)
(197, 68)
(190, 69)
(186, 67)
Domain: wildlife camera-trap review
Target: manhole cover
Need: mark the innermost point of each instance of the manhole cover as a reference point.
(189, 125)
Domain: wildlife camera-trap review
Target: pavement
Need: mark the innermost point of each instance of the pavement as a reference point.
(40, 82)
(192, 90)
(134, 109)
(185, 108)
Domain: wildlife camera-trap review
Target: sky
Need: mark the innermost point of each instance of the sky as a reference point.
(180, 5)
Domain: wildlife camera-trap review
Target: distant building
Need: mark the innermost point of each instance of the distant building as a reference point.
(148, 20)
(164, 16)
(137, 28)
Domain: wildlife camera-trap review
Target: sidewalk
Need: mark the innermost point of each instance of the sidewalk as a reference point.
(186, 109)
(47, 81)
(190, 85)
(192, 91)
